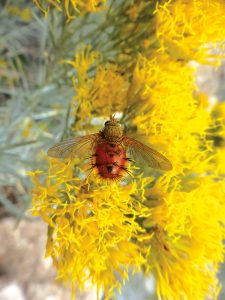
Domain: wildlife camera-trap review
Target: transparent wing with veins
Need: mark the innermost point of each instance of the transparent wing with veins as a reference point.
(146, 155)
(75, 147)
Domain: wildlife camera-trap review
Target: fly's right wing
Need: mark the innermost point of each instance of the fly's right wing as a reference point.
(75, 147)
(147, 155)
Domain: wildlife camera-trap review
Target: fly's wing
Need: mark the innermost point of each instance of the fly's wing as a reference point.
(147, 155)
(76, 147)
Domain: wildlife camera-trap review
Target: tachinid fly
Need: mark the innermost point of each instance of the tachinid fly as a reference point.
(109, 149)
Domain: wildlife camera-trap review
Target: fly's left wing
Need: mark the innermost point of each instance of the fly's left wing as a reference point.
(75, 147)
(146, 155)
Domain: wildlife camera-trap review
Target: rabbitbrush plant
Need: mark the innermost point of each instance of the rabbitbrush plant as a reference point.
(132, 59)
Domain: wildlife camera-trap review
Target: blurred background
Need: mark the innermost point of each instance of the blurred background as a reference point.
(35, 95)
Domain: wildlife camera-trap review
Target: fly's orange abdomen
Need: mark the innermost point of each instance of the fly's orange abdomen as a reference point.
(110, 160)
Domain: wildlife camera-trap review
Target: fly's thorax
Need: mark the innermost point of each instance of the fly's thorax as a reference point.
(112, 132)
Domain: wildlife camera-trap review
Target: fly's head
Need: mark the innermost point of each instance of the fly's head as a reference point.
(113, 131)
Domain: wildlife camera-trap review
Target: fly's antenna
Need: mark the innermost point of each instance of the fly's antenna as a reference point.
(112, 118)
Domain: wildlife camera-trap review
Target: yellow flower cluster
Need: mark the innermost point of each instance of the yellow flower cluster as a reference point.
(71, 7)
(186, 30)
(24, 14)
(161, 222)
(167, 112)
(92, 93)
(191, 30)
(187, 246)
(186, 201)
(170, 224)
(90, 226)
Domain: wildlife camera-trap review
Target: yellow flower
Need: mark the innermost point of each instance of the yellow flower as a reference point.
(191, 30)
(23, 13)
(187, 242)
(186, 201)
(92, 91)
(165, 110)
(83, 61)
(186, 30)
(70, 7)
(90, 227)
(167, 224)
(27, 126)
